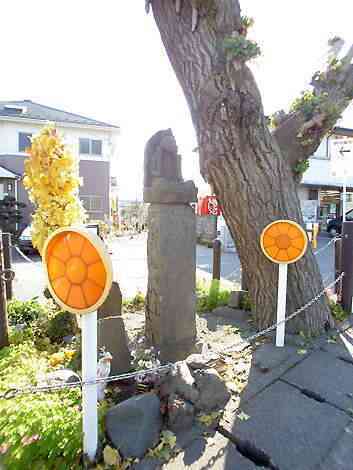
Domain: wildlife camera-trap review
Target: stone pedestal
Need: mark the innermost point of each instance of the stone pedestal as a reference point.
(170, 306)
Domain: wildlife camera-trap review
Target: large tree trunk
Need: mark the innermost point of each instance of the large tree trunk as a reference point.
(239, 158)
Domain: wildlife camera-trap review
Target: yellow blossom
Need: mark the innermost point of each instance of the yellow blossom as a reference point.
(52, 181)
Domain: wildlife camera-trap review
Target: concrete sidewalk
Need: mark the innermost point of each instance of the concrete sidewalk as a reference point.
(297, 407)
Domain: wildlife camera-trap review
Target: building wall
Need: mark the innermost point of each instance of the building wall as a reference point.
(96, 180)
(9, 138)
(320, 168)
(16, 164)
(95, 170)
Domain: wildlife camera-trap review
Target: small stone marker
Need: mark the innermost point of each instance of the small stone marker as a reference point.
(112, 304)
(112, 336)
(111, 331)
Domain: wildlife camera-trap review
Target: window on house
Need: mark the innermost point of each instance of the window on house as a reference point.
(313, 194)
(90, 147)
(96, 147)
(92, 203)
(84, 146)
(24, 141)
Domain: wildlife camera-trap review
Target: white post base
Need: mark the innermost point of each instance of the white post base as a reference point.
(281, 303)
(89, 392)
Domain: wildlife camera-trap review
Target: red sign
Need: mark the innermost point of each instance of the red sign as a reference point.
(208, 206)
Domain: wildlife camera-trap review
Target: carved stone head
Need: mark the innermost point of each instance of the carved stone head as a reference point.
(161, 158)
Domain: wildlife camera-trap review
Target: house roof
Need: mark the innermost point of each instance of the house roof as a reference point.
(5, 173)
(28, 109)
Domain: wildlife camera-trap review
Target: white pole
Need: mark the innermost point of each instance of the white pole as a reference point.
(89, 392)
(281, 303)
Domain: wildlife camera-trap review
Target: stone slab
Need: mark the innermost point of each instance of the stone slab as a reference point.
(341, 349)
(216, 453)
(325, 375)
(268, 364)
(341, 456)
(112, 336)
(112, 304)
(295, 431)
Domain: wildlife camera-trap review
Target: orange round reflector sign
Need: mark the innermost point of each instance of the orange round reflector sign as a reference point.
(78, 269)
(284, 241)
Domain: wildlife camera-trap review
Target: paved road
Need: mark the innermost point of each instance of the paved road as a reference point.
(130, 267)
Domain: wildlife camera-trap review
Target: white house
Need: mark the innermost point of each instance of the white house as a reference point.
(93, 142)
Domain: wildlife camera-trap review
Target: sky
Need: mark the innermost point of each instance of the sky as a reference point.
(104, 59)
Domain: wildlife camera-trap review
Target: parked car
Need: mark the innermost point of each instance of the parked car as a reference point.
(25, 241)
(334, 227)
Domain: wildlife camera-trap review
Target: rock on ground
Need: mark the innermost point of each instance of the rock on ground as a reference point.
(180, 414)
(180, 382)
(213, 393)
(134, 425)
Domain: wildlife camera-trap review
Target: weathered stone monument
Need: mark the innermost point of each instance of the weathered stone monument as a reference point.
(171, 250)
(111, 331)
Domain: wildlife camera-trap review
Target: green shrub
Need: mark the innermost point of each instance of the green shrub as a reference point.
(59, 325)
(24, 312)
(136, 303)
(39, 431)
(44, 322)
(337, 311)
(210, 296)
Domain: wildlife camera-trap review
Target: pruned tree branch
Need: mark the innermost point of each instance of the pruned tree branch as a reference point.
(315, 113)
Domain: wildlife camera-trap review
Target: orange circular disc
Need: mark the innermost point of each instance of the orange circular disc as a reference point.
(78, 269)
(284, 241)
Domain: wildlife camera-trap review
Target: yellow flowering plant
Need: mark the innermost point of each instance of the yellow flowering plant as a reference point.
(52, 181)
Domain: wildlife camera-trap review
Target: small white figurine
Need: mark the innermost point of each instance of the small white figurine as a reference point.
(103, 371)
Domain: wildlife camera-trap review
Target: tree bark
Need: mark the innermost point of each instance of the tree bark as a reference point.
(238, 156)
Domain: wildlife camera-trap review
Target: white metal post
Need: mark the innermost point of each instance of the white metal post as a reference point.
(89, 392)
(281, 303)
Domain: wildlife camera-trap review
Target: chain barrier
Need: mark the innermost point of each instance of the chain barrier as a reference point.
(324, 248)
(7, 275)
(232, 274)
(20, 252)
(13, 392)
(289, 317)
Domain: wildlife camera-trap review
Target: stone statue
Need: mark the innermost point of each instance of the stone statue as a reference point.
(163, 181)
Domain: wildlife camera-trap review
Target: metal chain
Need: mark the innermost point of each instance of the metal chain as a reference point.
(20, 252)
(323, 248)
(289, 317)
(13, 392)
(7, 274)
(236, 271)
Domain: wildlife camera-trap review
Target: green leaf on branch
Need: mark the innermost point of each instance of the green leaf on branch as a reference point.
(301, 166)
(241, 48)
